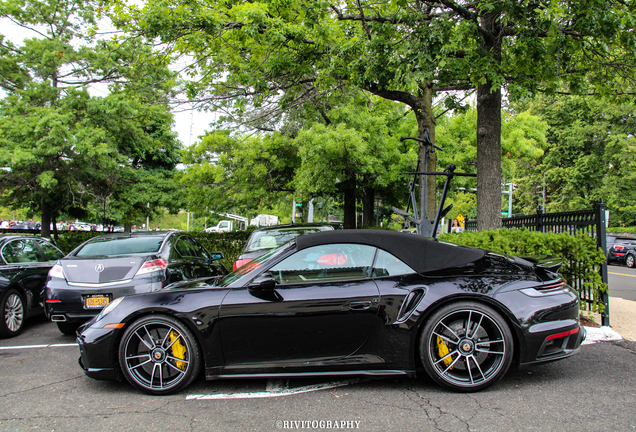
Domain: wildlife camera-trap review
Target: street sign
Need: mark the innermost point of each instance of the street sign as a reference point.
(460, 218)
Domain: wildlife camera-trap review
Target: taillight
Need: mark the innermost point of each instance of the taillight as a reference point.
(619, 247)
(56, 272)
(557, 284)
(152, 266)
(240, 262)
(248, 267)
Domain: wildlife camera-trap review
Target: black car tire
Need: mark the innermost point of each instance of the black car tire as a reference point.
(12, 314)
(630, 261)
(67, 328)
(149, 357)
(466, 346)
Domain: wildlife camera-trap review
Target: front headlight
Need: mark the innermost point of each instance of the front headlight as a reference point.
(108, 309)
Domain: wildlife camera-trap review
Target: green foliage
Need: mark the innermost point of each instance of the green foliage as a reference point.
(230, 243)
(591, 154)
(65, 149)
(581, 257)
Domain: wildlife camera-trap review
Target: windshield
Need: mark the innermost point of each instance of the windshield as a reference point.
(251, 266)
(121, 246)
(268, 239)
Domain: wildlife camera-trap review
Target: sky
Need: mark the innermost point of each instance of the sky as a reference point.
(189, 123)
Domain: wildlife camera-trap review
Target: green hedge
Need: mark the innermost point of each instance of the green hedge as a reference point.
(231, 243)
(581, 257)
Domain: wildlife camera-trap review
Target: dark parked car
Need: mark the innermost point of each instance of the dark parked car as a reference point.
(268, 238)
(24, 263)
(114, 265)
(351, 302)
(621, 250)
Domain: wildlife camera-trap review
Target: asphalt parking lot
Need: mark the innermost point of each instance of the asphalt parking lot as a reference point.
(43, 388)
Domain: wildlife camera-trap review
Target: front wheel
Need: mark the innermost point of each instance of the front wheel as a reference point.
(630, 261)
(466, 346)
(11, 313)
(159, 355)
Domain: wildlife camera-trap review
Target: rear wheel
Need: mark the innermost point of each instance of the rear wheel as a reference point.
(68, 328)
(466, 346)
(630, 261)
(11, 313)
(159, 355)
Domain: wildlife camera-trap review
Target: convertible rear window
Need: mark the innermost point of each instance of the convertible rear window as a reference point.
(121, 246)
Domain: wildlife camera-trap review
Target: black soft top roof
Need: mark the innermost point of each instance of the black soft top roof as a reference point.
(420, 253)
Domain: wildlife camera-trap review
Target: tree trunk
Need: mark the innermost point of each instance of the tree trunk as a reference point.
(368, 202)
(128, 227)
(349, 218)
(47, 213)
(489, 139)
(428, 184)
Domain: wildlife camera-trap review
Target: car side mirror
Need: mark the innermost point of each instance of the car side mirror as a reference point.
(263, 282)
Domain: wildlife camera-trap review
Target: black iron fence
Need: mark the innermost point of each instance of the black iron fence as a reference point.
(589, 222)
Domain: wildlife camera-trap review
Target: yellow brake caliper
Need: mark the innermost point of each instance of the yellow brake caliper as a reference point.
(178, 350)
(443, 351)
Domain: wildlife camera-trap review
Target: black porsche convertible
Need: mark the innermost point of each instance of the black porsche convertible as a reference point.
(359, 302)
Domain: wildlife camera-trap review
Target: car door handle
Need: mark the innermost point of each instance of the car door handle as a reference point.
(359, 305)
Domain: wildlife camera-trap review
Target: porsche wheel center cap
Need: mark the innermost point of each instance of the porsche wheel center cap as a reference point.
(158, 355)
(466, 346)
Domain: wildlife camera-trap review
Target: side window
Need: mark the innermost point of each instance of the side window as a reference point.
(388, 265)
(21, 251)
(198, 250)
(325, 262)
(184, 248)
(51, 253)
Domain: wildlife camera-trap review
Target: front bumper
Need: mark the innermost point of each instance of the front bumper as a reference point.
(98, 358)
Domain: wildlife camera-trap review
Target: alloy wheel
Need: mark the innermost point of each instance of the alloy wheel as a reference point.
(159, 356)
(467, 348)
(13, 313)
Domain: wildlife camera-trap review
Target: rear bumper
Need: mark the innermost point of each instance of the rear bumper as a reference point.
(66, 303)
(562, 345)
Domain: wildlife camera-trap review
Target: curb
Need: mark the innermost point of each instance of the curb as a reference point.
(600, 334)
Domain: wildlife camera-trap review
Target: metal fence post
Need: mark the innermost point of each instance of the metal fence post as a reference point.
(601, 241)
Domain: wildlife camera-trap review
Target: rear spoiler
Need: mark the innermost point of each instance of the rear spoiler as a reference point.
(552, 263)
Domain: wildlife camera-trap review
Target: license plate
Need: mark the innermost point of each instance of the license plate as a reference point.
(97, 301)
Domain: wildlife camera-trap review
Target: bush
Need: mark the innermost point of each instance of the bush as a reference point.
(580, 255)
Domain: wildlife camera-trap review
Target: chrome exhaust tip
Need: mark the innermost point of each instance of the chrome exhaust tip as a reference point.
(58, 318)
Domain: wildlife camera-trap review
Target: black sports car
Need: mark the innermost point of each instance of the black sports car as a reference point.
(114, 265)
(352, 302)
(24, 263)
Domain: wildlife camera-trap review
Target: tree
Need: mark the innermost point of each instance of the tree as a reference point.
(523, 140)
(60, 146)
(589, 155)
(350, 153)
(259, 59)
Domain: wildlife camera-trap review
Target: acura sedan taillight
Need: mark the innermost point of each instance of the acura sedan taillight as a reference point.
(56, 272)
(152, 266)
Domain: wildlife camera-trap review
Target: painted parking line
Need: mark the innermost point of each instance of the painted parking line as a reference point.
(38, 346)
(277, 388)
(622, 274)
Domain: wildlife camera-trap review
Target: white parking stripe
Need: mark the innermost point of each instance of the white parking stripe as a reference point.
(276, 388)
(38, 346)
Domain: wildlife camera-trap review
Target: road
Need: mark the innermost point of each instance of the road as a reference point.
(42, 388)
(622, 282)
